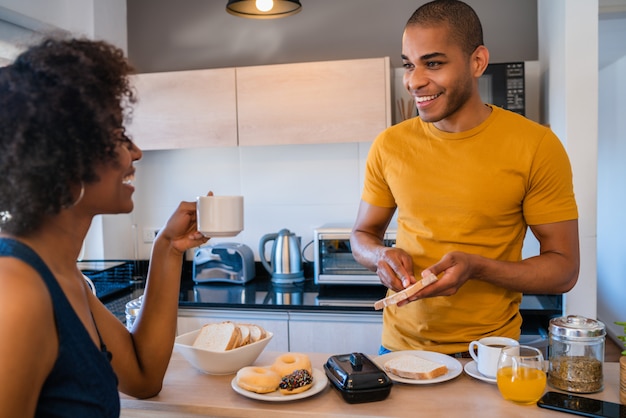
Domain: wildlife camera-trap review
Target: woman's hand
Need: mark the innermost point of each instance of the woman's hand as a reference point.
(181, 229)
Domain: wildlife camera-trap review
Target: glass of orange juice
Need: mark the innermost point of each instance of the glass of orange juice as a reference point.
(521, 375)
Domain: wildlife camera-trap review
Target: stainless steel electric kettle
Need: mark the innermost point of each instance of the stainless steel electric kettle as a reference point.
(285, 265)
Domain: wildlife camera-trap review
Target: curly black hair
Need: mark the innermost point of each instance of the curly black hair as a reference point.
(462, 20)
(63, 103)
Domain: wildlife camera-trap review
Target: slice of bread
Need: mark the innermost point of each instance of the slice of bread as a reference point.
(406, 293)
(221, 336)
(414, 367)
(257, 332)
(245, 335)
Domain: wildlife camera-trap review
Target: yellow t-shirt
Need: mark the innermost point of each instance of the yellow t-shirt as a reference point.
(474, 191)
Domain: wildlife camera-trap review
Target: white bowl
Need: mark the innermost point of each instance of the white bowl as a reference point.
(219, 362)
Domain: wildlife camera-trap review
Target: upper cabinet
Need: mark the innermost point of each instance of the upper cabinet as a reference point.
(185, 109)
(314, 102)
(304, 103)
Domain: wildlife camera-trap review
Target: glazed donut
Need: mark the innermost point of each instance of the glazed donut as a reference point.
(290, 362)
(258, 379)
(296, 382)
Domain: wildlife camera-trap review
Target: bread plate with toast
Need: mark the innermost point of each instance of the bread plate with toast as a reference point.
(417, 367)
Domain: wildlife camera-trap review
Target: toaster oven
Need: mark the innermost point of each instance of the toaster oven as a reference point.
(333, 260)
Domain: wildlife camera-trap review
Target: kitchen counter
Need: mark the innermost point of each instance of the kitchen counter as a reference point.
(261, 293)
(189, 393)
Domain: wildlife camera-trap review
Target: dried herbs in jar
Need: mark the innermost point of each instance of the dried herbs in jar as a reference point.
(576, 374)
(576, 354)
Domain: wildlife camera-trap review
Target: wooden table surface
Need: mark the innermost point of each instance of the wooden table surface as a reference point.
(189, 393)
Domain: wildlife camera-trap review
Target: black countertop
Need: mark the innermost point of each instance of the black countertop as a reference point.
(112, 279)
(261, 293)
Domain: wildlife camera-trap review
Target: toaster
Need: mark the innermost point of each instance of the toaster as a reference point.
(357, 378)
(224, 262)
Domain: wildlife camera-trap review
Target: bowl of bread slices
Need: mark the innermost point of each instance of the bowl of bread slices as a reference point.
(223, 347)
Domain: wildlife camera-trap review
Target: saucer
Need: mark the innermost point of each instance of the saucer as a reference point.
(471, 368)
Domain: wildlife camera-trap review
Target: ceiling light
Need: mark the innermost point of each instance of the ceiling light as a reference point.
(263, 9)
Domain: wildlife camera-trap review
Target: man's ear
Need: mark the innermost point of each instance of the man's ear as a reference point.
(479, 60)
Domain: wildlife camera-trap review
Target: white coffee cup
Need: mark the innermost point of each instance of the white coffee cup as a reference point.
(486, 353)
(219, 216)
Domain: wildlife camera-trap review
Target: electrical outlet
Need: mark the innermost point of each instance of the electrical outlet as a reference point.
(149, 234)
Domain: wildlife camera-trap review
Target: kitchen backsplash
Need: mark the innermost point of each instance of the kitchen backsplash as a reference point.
(298, 187)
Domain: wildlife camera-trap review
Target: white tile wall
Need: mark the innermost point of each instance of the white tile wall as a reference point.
(298, 187)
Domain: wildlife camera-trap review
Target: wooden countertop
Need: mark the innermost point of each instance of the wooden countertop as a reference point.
(189, 393)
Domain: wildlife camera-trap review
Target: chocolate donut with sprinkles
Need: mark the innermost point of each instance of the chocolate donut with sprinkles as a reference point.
(298, 381)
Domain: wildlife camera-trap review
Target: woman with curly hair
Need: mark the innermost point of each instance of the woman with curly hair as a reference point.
(65, 158)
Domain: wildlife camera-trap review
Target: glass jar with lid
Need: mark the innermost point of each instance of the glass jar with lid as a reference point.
(132, 310)
(576, 354)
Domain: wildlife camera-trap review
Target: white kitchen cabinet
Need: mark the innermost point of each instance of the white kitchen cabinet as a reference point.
(184, 109)
(274, 321)
(334, 332)
(299, 331)
(301, 103)
(313, 102)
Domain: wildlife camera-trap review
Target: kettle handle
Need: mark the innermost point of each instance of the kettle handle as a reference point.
(264, 239)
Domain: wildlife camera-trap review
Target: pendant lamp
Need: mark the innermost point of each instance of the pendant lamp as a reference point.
(263, 9)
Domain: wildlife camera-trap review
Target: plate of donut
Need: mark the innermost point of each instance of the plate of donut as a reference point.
(320, 381)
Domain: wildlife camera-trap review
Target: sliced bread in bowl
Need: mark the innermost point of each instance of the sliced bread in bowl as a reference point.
(221, 336)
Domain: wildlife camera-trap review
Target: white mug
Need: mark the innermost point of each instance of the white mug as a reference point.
(486, 353)
(219, 216)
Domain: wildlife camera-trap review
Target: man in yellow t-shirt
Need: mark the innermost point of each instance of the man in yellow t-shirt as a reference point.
(467, 179)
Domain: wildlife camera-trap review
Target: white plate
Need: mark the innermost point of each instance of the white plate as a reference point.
(454, 366)
(471, 368)
(320, 381)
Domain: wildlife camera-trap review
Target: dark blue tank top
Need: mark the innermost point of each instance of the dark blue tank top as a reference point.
(82, 382)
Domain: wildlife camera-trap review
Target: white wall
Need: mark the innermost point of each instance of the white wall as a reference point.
(299, 187)
(71, 15)
(101, 19)
(109, 22)
(612, 196)
(568, 53)
(11, 36)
